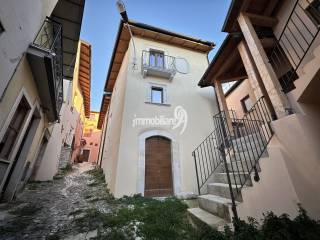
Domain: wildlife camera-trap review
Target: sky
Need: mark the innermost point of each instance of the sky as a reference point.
(197, 18)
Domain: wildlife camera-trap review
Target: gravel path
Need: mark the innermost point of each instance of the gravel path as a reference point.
(49, 210)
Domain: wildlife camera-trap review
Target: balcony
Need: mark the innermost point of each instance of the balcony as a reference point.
(155, 63)
(46, 62)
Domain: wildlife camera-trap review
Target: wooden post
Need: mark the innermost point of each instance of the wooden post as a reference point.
(223, 104)
(265, 69)
(254, 77)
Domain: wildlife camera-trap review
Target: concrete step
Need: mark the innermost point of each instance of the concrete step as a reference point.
(243, 144)
(222, 190)
(251, 154)
(203, 216)
(257, 137)
(216, 205)
(238, 166)
(234, 177)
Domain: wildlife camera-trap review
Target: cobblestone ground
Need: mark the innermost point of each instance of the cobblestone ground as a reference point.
(49, 210)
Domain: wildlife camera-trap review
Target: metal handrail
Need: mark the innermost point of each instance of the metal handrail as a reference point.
(237, 149)
(293, 44)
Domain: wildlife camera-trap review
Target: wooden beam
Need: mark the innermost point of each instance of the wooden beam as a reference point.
(230, 78)
(268, 42)
(271, 6)
(231, 60)
(263, 21)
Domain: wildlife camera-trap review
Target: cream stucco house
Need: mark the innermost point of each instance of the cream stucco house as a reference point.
(263, 152)
(36, 67)
(151, 85)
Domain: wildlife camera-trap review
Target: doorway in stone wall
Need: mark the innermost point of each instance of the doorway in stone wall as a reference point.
(158, 169)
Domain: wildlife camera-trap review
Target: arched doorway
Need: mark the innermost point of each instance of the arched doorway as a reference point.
(158, 169)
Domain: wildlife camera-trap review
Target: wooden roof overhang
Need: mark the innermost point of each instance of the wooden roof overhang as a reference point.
(227, 64)
(255, 8)
(85, 75)
(103, 110)
(147, 32)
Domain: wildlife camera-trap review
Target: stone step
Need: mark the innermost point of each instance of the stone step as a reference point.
(203, 216)
(222, 190)
(216, 205)
(234, 177)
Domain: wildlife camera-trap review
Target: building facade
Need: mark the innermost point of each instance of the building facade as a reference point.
(151, 110)
(35, 66)
(268, 155)
(92, 138)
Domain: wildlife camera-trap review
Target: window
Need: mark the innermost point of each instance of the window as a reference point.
(313, 10)
(14, 128)
(96, 144)
(91, 143)
(246, 103)
(156, 59)
(157, 95)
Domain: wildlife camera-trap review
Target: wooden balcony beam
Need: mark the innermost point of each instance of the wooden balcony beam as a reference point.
(262, 21)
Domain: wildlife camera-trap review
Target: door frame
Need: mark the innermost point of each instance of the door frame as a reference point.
(175, 162)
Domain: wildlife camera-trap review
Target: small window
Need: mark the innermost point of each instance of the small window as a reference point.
(91, 143)
(1, 28)
(156, 95)
(96, 144)
(156, 59)
(313, 10)
(246, 103)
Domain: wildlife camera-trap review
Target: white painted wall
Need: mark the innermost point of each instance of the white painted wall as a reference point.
(121, 155)
(21, 21)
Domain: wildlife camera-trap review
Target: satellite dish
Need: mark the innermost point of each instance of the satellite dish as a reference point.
(181, 65)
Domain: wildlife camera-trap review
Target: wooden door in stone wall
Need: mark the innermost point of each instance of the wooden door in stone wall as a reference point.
(158, 170)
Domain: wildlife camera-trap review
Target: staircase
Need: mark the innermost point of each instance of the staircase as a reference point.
(227, 161)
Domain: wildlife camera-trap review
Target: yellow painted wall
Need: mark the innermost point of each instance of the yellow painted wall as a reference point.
(77, 97)
(91, 122)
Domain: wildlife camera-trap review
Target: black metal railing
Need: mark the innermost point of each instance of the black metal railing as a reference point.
(49, 38)
(236, 145)
(294, 42)
(207, 158)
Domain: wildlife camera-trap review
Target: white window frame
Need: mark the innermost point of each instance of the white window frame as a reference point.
(157, 49)
(149, 87)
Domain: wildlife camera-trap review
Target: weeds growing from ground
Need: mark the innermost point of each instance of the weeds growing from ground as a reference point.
(136, 217)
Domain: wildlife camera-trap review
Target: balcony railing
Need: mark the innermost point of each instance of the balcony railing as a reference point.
(47, 49)
(158, 65)
(294, 42)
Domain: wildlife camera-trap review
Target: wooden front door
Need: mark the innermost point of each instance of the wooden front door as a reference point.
(158, 171)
